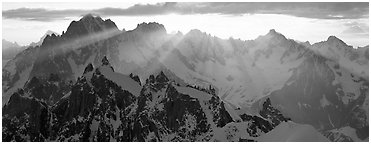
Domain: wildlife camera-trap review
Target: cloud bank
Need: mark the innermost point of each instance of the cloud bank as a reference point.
(319, 10)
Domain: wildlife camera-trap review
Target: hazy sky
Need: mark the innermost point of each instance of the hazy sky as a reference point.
(313, 22)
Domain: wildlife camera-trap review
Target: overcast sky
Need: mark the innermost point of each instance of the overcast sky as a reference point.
(313, 22)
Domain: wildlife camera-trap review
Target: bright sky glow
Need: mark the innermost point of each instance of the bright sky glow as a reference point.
(246, 26)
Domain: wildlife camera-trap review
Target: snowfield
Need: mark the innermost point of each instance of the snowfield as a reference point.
(124, 81)
(293, 132)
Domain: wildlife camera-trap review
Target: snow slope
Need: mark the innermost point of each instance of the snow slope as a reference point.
(125, 82)
(292, 132)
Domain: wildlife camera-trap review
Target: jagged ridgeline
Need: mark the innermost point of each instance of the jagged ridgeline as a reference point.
(95, 82)
(103, 105)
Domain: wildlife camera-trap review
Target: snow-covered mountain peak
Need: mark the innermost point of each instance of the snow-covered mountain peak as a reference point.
(192, 77)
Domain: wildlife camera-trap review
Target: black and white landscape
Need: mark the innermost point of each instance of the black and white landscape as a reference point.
(95, 81)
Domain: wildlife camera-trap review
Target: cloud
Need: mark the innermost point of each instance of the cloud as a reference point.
(40, 14)
(354, 27)
(354, 30)
(323, 10)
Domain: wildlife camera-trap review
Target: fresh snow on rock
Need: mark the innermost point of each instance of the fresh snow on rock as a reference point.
(124, 81)
(202, 96)
(292, 132)
(233, 132)
(232, 112)
(347, 81)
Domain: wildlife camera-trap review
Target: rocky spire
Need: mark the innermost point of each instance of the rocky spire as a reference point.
(335, 40)
(161, 78)
(89, 24)
(89, 68)
(105, 62)
(275, 34)
(272, 36)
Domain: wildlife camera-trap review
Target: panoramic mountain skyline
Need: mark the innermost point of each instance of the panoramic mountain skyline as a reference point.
(27, 22)
(94, 81)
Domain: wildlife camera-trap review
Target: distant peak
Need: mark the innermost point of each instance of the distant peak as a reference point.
(89, 24)
(90, 16)
(49, 32)
(151, 27)
(273, 34)
(334, 39)
(8, 44)
(272, 31)
(196, 32)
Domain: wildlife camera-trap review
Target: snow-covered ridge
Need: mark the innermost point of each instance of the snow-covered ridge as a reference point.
(124, 81)
(242, 71)
(200, 95)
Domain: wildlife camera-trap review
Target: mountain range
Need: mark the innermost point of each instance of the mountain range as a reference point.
(10, 50)
(95, 82)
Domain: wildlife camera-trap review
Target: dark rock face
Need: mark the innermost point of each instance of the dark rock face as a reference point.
(135, 78)
(49, 89)
(170, 117)
(272, 114)
(87, 25)
(90, 109)
(27, 115)
(54, 55)
(97, 109)
(269, 118)
(25, 119)
(89, 68)
(174, 116)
